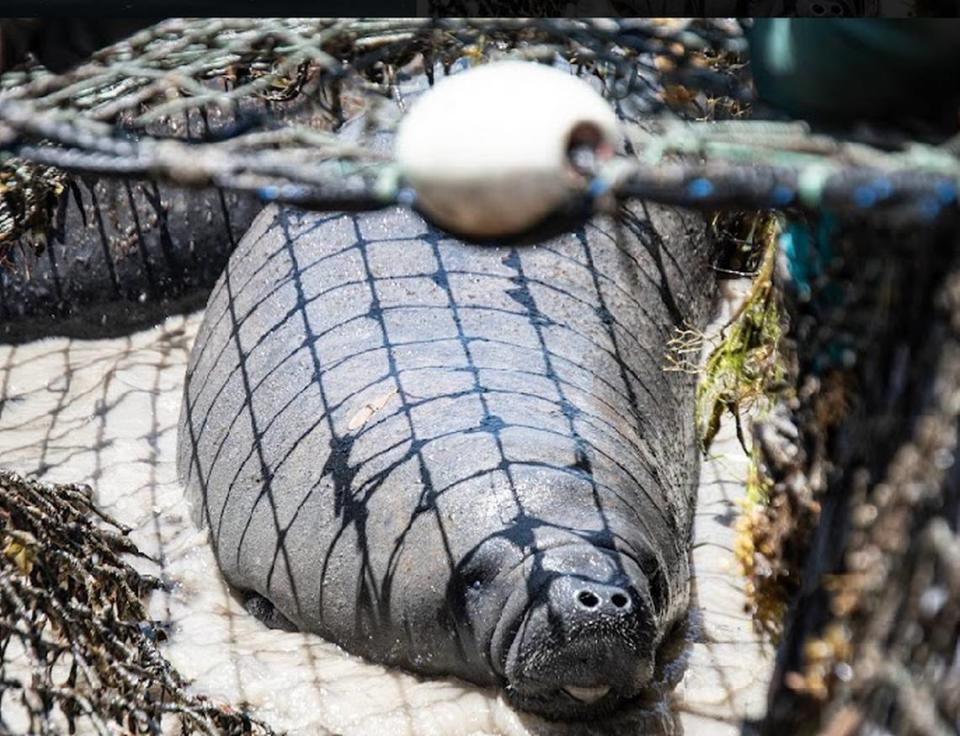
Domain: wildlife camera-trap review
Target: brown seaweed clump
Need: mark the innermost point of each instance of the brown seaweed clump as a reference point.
(29, 195)
(77, 651)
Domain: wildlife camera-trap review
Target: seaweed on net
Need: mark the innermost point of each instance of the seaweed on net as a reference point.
(102, 117)
(88, 116)
(29, 194)
(870, 643)
(77, 650)
(112, 114)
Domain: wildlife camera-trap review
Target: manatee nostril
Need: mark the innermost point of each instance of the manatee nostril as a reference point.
(588, 599)
(619, 600)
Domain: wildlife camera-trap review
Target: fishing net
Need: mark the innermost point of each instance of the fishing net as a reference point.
(245, 105)
(861, 521)
(248, 106)
(112, 115)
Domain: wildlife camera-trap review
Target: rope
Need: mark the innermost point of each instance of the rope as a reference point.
(93, 119)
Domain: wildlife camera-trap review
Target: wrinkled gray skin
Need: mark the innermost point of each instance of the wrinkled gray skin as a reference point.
(124, 253)
(121, 253)
(459, 459)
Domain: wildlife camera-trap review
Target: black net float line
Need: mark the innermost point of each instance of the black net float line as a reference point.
(915, 192)
(58, 120)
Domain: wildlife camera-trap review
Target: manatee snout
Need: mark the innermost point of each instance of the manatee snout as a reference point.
(588, 637)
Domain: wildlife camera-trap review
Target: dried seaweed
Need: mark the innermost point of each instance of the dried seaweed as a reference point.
(28, 199)
(79, 653)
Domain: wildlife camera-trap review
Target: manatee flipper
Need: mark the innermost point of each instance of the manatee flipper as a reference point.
(263, 610)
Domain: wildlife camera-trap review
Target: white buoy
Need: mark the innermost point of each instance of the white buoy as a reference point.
(486, 150)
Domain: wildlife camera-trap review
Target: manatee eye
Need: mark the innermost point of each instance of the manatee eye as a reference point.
(479, 569)
(478, 572)
(656, 581)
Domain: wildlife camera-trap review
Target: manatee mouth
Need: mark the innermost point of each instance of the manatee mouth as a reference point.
(587, 694)
(560, 687)
(586, 640)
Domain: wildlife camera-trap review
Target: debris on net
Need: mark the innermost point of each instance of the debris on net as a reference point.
(116, 114)
(29, 194)
(744, 376)
(742, 371)
(870, 643)
(97, 118)
(77, 651)
(91, 114)
(164, 69)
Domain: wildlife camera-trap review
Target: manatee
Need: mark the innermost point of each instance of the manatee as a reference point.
(122, 253)
(457, 459)
(117, 253)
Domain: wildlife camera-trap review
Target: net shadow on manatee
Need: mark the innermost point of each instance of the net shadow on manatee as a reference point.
(263, 353)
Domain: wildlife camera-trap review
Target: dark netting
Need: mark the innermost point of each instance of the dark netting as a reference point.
(222, 103)
(861, 524)
(113, 114)
(84, 120)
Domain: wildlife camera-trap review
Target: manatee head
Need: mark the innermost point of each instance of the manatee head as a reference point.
(572, 629)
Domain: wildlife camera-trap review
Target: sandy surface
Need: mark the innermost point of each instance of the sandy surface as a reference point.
(105, 413)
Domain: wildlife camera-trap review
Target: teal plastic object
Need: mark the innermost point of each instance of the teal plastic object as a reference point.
(809, 251)
(842, 69)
